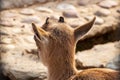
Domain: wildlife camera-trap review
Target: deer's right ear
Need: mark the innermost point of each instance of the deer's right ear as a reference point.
(82, 30)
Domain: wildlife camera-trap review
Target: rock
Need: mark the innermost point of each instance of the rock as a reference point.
(118, 10)
(103, 12)
(29, 39)
(115, 63)
(103, 54)
(9, 14)
(83, 2)
(16, 31)
(23, 67)
(76, 22)
(70, 13)
(31, 19)
(99, 21)
(44, 9)
(88, 18)
(6, 40)
(27, 11)
(94, 1)
(65, 6)
(10, 46)
(55, 17)
(87, 2)
(42, 1)
(8, 4)
(8, 22)
(3, 32)
(108, 3)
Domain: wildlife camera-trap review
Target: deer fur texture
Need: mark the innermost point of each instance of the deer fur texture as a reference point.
(56, 42)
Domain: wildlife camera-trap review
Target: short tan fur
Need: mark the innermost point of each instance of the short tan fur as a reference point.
(56, 42)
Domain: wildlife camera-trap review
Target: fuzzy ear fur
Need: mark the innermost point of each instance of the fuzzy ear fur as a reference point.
(82, 30)
(39, 32)
(47, 20)
(61, 19)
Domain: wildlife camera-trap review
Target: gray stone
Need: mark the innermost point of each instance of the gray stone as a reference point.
(88, 18)
(83, 2)
(10, 46)
(28, 39)
(8, 4)
(9, 14)
(118, 10)
(23, 67)
(6, 40)
(70, 13)
(16, 31)
(108, 3)
(42, 1)
(76, 22)
(44, 9)
(65, 6)
(94, 1)
(104, 55)
(99, 21)
(27, 11)
(55, 17)
(31, 19)
(8, 22)
(103, 12)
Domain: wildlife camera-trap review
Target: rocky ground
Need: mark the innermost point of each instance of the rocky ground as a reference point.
(99, 48)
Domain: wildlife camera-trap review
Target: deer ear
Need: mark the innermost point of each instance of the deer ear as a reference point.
(61, 19)
(47, 20)
(82, 30)
(38, 31)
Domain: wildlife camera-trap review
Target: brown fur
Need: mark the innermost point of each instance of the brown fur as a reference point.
(56, 42)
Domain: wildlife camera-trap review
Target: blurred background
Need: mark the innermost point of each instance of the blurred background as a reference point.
(100, 47)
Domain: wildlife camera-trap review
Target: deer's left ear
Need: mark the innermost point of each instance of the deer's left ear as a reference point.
(82, 30)
(61, 19)
(38, 31)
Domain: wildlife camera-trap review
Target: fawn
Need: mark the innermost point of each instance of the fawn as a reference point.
(56, 42)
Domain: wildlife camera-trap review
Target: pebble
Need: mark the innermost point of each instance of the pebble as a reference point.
(44, 9)
(70, 13)
(42, 1)
(27, 11)
(10, 46)
(16, 30)
(103, 12)
(30, 19)
(28, 39)
(76, 23)
(98, 20)
(55, 17)
(108, 3)
(83, 2)
(6, 40)
(7, 22)
(3, 32)
(65, 6)
(9, 15)
(94, 1)
(118, 10)
(88, 18)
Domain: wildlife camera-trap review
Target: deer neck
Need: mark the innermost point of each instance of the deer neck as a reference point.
(62, 67)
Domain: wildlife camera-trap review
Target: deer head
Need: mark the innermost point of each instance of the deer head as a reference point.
(56, 40)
